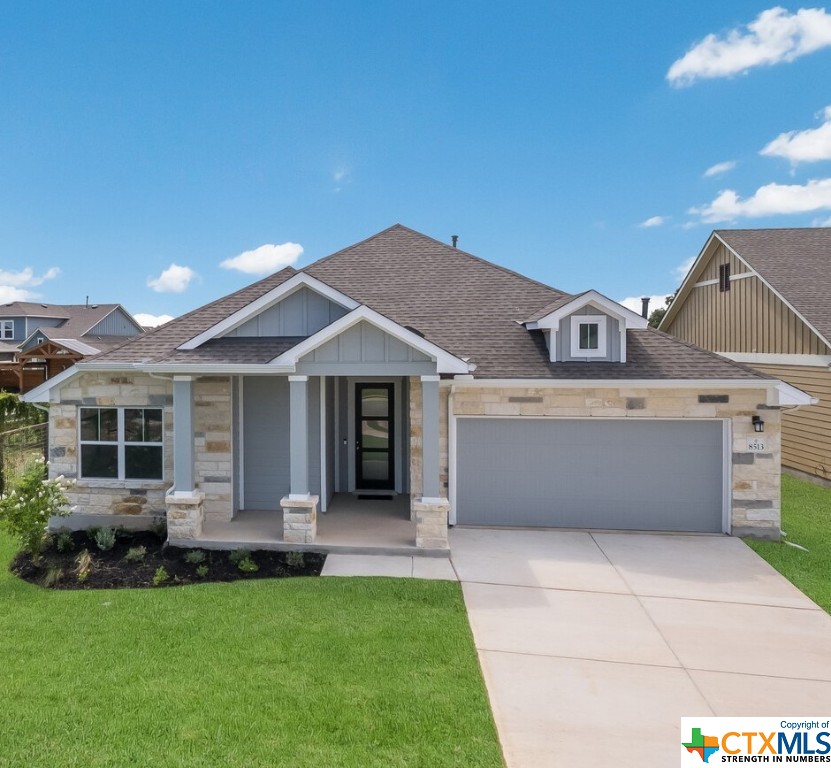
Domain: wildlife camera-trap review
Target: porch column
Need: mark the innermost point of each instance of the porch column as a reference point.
(184, 505)
(430, 438)
(299, 437)
(431, 510)
(299, 507)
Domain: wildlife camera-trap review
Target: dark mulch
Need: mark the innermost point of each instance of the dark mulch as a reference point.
(110, 570)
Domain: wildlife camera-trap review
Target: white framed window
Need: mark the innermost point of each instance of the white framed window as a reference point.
(6, 329)
(588, 335)
(121, 443)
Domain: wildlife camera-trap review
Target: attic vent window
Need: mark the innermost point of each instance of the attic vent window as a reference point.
(588, 336)
(724, 277)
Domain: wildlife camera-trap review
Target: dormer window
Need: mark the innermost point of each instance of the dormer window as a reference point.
(6, 329)
(588, 336)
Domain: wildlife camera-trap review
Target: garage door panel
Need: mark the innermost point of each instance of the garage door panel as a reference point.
(619, 474)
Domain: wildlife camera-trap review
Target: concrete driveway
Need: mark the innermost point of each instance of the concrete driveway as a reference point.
(594, 645)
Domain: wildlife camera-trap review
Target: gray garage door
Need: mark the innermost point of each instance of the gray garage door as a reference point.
(581, 473)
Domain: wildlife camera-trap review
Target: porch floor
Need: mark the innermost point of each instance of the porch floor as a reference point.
(349, 526)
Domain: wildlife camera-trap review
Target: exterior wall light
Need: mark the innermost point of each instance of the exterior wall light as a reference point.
(758, 424)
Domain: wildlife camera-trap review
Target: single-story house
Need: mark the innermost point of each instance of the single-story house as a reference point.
(402, 368)
(761, 297)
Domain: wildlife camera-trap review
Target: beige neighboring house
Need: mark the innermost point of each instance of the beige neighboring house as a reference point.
(763, 297)
(374, 397)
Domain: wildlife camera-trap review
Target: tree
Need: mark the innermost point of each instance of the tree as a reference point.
(657, 315)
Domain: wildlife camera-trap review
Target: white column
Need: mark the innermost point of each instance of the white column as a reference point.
(430, 437)
(299, 437)
(183, 434)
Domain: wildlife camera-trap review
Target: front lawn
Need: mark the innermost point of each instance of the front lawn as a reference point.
(806, 518)
(313, 672)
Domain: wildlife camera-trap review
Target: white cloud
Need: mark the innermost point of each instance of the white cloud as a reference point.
(341, 177)
(174, 279)
(653, 221)
(634, 302)
(821, 222)
(14, 286)
(151, 321)
(773, 37)
(265, 259)
(803, 146)
(680, 272)
(769, 200)
(719, 168)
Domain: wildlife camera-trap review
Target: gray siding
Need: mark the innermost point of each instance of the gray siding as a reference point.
(301, 313)
(343, 431)
(612, 337)
(19, 329)
(635, 474)
(114, 324)
(266, 444)
(330, 438)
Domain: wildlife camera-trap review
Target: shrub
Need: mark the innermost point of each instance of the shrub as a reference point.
(136, 554)
(26, 509)
(160, 576)
(202, 571)
(195, 556)
(159, 527)
(247, 564)
(83, 565)
(295, 559)
(238, 554)
(64, 542)
(105, 539)
(52, 577)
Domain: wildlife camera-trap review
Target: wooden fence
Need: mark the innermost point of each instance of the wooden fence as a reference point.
(20, 446)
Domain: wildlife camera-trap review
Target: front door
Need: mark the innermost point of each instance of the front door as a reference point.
(375, 460)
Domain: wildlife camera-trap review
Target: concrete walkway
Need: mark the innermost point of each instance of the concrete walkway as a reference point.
(398, 566)
(594, 645)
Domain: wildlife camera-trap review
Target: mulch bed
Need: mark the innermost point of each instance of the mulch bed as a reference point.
(109, 569)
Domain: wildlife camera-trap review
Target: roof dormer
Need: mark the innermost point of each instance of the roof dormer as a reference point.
(588, 327)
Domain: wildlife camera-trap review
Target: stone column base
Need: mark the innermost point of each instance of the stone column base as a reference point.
(431, 523)
(299, 520)
(185, 515)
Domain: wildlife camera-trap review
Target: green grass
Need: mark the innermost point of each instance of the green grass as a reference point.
(806, 517)
(294, 672)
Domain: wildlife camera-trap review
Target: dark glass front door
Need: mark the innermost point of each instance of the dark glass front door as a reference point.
(374, 462)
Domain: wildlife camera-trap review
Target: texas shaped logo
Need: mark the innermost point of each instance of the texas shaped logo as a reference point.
(703, 745)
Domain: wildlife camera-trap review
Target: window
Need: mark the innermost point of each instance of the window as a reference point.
(122, 443)
(724, 277)
(588, 336)
(6, 329)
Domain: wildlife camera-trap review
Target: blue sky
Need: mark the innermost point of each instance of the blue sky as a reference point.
(144, 144)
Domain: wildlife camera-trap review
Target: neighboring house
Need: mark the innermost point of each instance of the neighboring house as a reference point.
(406, 368)
(763, 297)
(38, 341)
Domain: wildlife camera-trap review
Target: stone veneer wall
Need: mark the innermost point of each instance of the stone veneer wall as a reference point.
(130, 498)
(213, 444)
(755, 476)
(415, 438)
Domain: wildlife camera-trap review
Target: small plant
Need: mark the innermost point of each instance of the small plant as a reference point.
(159, 527)
(160, 576)
(238, 554)
(32, 500)
(247, 565)
(295, 559)
(52, 577)
(136, 554)
(202, 571)
(105, 539)
(195, 556)
(83, 566)
(64, 542)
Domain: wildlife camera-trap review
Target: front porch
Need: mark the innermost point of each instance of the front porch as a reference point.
(351, 525)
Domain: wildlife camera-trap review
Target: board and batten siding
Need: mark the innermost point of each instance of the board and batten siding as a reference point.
(301, 313)
(364, 343)
(114, 324)
(806, 433)
(747, 318)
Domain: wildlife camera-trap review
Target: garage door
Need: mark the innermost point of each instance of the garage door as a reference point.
(631, 474)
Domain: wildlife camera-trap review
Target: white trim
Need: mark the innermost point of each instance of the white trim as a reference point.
(622, 331)
(764, 358)
(241, 418)
(705, 283)
(8, 325)
(299, 496)
(125, 313)
(551, 338)
(451, 457)
(182, 378)
(461, 381)
(445, 362)
(194, 369)
(298, 377)
(787, 394)
(602, 322)
(431, 377)
(741, 276)
(295, 283)
(323, 487)
(687, 284)
(40, 393)
(727, 452)
(431, 499)
(629, 318)
(337, 435)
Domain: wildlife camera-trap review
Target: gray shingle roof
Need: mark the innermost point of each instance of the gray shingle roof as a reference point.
(796, 262)
(469, 307)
